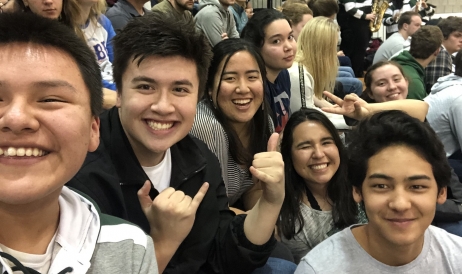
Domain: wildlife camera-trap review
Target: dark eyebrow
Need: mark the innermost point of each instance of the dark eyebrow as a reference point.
(389, 178)
(307, 142)
(182, 82)
(54, 84)
(247, 72)
(276, 35)
(418, 177)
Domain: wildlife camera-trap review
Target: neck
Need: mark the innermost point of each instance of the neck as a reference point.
(85, 13)
(318, 190)
(403, 33)
(29, 228)
(137, 5)
(384, 251)
(445, 42)
(272, 74)
(176, 6)
(424, 62)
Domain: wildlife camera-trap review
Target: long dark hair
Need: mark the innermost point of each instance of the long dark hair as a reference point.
(259, 125)
(344, 209)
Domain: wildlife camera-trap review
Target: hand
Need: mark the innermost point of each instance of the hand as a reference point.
(395, 17)
(109, 98)
(424, 5)
(172, 213)
(268, 167)
(351, 106)
(224, 36)
(371, 16)
(340, 53)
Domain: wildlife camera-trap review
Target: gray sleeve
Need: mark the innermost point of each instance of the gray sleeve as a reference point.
(210, 23)
(233, 29)
(118, 21)
(455, 118)
(149, 262)
(304, 268)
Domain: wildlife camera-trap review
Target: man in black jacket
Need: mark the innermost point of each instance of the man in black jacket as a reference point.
(160, 68)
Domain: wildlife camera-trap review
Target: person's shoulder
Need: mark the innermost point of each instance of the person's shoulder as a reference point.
(162, 6)
(114, 229)
(446, 241)
(116, 11)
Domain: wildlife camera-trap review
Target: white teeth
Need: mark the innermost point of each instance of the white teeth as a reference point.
(159, 126)
(21, 152)
(319, 166)
(241, 102)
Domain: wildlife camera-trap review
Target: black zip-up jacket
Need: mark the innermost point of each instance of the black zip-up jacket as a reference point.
(112, 177)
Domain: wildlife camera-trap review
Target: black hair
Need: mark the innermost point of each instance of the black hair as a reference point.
(406, 18)
(394, 128)
(325, 8)
(27, 28)
(458, 63)
(259, 127)
(160, 34)
(344, 208)
(254, 30)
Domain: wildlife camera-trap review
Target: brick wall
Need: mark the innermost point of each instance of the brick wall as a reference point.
(447, 6)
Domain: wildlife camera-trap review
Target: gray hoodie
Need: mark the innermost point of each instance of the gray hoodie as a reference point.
(445, 111)
(213, 20)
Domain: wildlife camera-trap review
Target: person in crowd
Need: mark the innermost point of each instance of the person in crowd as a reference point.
(385, 81)
(399, 198)
(271, 32)
(240, 12)
(299, 14)
(397, 8)
(451, 28)
(445, 114)
(233, 121)
(50, 98)
(315, 171)
(408, 23)
(125, 10)
(146, 151)
(425, 46)
(181, 9)
(99, 33)
(355, 31)
(216, 21)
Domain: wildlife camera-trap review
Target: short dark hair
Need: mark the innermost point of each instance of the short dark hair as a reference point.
(160, 34)
(394, 128)
(458, 63)
(450, 25)
(259, 124)
(406, 18)
(325, 8)
(344, 209)
(29, 28)
(425, 42)
(254, 30)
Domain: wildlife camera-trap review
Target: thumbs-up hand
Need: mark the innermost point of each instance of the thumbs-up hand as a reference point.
(268, 167)
(172, 213)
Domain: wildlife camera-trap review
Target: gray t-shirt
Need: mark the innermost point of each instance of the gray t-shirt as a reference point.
(341, 253)
(389, 48)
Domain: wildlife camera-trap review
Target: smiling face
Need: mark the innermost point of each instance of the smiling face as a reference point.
(46, 126)
(314, 154)
(279, 47)
(400, 197)
(388, 84)
(157, 107)
(45, 8)
(241, 89)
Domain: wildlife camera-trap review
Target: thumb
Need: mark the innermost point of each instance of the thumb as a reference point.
(273, 142)
(143, 195)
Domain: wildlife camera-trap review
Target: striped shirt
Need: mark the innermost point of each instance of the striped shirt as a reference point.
(209, 130)
(408, 5)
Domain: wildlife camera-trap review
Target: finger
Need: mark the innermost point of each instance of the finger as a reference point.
(334, 110)
(177, 196)
(143, 195)
(273, 142)
(334, 98)
(199, 196)
(262, 176)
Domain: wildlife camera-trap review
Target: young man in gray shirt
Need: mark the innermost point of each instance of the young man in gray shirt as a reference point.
(398, 172)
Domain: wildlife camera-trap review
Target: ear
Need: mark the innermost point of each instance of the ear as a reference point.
(369, 93)
(437, 52)
(442, 196)
(118, 101)
(94, 134)
(357, 195)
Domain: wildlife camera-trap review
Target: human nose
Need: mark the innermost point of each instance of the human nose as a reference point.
(392, 85)
(289, 45)
(399, 201)
(318, 152)
(242, 86)
(18, 117)
(163, 103)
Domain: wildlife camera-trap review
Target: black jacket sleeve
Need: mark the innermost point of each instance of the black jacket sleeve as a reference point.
(450, 211)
